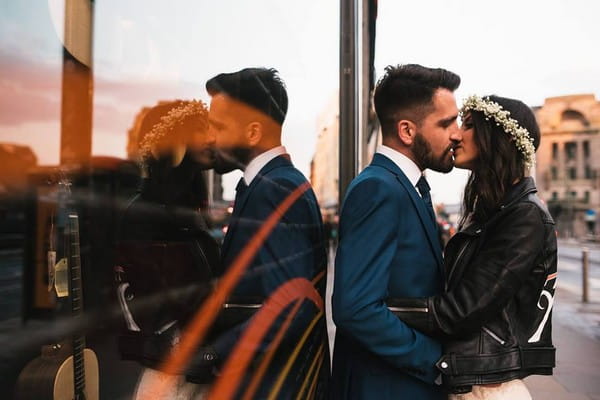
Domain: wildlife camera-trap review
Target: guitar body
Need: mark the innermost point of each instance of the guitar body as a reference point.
(64, 381)
(51, 376)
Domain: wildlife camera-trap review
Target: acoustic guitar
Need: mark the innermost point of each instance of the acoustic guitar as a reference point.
(66, 371)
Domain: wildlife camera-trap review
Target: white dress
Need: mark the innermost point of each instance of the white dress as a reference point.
(511, 390)
(154, 384)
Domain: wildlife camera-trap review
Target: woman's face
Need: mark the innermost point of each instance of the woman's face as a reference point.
(467, 152)
(200, 143)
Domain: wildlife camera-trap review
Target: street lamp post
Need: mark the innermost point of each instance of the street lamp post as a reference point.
(585, 265)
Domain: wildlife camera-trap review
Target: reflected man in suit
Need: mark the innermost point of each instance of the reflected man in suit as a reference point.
(247, 111)
(389, 243)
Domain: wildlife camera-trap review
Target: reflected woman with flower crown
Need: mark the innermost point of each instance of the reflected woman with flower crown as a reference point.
(494, 318)
(166, 260)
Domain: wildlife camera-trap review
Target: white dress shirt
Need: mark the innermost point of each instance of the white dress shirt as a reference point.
(258, 162)
(406, 165)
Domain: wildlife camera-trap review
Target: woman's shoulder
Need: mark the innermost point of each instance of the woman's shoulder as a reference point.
(529, 206)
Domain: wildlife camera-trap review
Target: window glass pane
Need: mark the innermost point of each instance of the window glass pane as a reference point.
(105, 190)
(571, 150)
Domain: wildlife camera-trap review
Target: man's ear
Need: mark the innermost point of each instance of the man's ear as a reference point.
(254, 133)
(406, 131)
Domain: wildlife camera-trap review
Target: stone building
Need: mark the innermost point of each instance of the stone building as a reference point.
(568, 162)
(324, 168)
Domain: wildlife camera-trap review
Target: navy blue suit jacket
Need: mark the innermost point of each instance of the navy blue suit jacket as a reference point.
(388, 248)
(294, 249)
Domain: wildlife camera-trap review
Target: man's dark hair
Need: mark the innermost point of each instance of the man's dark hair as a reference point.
(260, 88)
(406, 92)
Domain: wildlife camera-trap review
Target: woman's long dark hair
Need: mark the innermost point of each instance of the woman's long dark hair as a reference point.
(500, 164)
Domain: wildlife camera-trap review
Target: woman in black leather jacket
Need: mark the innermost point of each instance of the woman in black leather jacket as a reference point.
(494, 318)
(166, 258)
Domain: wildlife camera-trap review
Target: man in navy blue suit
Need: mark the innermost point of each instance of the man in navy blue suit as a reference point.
(247, 111)
(389, 244)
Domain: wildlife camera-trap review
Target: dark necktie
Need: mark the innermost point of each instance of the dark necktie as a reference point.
(241, 186)
(424, 189)
(239, 192)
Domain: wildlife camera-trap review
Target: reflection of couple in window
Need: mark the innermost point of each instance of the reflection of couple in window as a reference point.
(178, 141)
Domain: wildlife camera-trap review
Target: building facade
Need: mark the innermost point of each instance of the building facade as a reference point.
(325, 165)
(324, 171)
(568, 162)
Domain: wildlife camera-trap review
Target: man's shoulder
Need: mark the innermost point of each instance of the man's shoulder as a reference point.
(279, 182)
(274, 186)
(375, 175)
(283, 173)
(377, 171)
(376, 183)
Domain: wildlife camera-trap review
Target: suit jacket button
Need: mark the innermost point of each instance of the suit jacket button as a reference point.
(444, 365)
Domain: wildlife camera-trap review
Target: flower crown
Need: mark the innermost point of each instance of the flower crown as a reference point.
(491, 109)
(175, 117)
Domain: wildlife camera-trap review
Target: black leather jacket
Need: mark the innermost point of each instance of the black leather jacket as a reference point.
(166, 260)
(495, 315)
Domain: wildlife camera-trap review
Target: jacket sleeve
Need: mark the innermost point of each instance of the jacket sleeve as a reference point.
(368, 242)
(491, 278)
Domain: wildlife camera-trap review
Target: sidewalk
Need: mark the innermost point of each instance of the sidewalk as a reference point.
(571, 248)
(576, 335)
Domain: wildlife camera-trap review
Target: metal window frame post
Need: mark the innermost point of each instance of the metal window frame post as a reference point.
(349, 97)
(77, 84)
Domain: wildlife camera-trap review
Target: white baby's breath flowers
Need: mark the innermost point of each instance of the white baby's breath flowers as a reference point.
(491, 109)
(175, 117)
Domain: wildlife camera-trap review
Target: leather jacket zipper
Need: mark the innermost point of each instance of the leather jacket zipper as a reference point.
(456, 260)
(204, 258)
(493, 335)
(409, 309)
(237, 305)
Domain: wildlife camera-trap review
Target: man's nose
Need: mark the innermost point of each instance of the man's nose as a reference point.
(211, 136)
(456, 134)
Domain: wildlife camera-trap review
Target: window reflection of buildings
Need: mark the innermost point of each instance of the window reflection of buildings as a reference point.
(324, 175)
(567, 172)
(325, 162)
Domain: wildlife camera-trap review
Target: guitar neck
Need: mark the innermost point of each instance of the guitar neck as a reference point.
(76, 296)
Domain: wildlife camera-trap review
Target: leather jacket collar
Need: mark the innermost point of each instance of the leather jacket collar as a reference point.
(519, 190)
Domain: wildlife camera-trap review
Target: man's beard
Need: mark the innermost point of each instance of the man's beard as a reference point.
(205, 158)
(231, 159)
(425, 158)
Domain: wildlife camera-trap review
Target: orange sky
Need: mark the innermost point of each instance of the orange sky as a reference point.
(30, 100)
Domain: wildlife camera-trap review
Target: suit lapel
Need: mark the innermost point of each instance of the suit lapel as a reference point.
(238, 210)
(417, 201)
